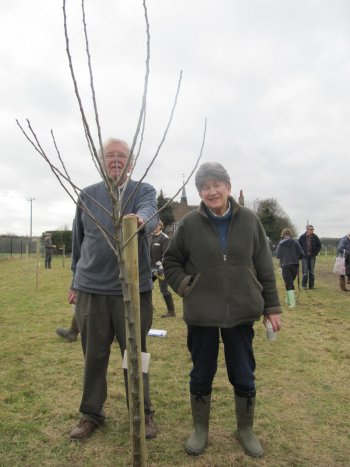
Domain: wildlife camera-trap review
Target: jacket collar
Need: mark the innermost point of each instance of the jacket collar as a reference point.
(234, 204)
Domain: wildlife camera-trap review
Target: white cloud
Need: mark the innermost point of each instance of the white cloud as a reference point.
(271, 77)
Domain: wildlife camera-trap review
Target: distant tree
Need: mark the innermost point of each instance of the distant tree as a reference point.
(166, 215)
(273, 218)
(66, 240)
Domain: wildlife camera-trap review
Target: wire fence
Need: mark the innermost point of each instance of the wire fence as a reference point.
(18, 247)
(23, 247)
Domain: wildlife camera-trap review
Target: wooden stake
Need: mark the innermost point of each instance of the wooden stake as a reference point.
(133, 338)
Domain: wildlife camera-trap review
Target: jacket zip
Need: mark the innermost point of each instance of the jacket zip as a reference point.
(227, 275)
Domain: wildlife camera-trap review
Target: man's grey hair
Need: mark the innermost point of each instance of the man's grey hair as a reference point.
(211, 170)
(112, 141)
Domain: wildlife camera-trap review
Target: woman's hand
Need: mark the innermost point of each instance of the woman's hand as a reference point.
(275, 320)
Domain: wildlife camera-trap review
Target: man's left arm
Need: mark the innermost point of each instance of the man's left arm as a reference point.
(146, 207)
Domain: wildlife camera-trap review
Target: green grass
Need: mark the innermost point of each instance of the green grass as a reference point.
(302, 414)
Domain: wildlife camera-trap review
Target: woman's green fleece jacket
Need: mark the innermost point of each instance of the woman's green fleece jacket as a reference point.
(222, 290)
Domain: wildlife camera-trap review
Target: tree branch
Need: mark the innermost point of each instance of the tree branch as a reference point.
(161, 142)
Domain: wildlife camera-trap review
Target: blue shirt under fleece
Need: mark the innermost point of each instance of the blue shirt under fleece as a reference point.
(221, 224)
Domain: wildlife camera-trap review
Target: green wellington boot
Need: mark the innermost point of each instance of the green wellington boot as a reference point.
(198, 440)
(245, 420)
(287, 298)
(291, 298)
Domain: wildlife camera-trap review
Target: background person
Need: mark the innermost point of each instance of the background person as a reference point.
(49, 247)
(159, 242)
(344, 249)
(289, 252)
(97, 290)
(219, 261)
(311, 245)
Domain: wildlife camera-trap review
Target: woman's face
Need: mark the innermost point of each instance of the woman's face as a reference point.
(214, 194)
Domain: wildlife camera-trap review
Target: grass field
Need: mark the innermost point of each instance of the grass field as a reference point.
(302, 414)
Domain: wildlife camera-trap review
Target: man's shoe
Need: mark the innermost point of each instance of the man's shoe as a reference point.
(67, 334)
(83, 430)
(150, 427)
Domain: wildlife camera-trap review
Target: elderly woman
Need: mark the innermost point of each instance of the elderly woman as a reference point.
(219, 261)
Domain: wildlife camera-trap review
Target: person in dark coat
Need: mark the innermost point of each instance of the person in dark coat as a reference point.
(49, 247)
(311, 245)
(220, 263)
(289, 252)
(159, 242)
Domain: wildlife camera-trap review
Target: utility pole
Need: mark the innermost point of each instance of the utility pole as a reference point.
(31, 221)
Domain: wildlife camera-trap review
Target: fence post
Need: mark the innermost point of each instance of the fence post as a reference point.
(37, 263)
(63, 254)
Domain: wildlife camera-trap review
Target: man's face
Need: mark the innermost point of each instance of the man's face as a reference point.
(116, 156)
(214, 194)
(310, 230)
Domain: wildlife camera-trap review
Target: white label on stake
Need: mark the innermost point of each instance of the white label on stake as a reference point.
(145, 361)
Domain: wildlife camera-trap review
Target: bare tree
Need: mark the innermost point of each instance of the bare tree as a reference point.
(116, 241)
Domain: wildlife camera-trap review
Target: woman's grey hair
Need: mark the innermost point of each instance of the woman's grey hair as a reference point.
(112, 141)
(211, 170)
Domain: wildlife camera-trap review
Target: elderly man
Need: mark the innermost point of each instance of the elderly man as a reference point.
(96, 288)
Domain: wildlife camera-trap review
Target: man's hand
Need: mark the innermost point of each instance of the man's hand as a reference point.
(72, 296)
(140, 220)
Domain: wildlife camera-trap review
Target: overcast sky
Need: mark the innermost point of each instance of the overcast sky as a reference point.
(272, 77)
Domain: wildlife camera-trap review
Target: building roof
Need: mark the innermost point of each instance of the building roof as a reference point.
(182, 208)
